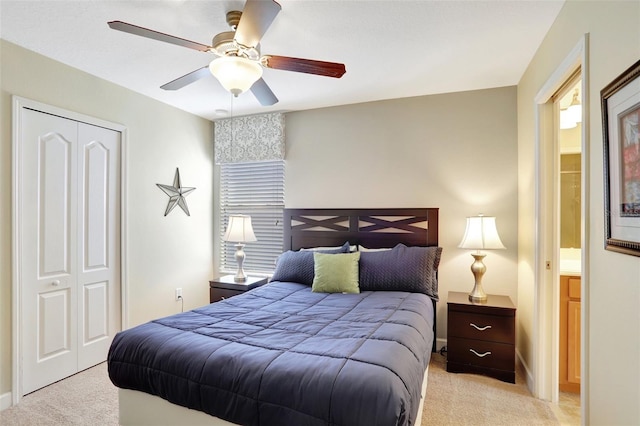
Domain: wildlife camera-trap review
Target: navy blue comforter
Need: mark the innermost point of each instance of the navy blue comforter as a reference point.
(282, 355)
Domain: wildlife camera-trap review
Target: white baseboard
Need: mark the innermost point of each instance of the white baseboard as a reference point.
(5, 401)
(440, 343)
(527, 372)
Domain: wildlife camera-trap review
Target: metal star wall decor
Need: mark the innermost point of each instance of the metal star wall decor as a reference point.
(176, 194)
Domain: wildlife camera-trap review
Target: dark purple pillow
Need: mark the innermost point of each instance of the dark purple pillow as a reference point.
(402, 268)
(298, 266)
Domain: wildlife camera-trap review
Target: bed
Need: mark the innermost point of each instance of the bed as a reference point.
(283, 354)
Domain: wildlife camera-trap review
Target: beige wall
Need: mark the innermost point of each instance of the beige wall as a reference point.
(613, 355)
(455, 151)
(163, 252)
(461, 152)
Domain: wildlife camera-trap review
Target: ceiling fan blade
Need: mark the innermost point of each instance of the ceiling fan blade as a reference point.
(256, 18)
(155, 35)
(263, 93)
(187, 79)
(309, 66)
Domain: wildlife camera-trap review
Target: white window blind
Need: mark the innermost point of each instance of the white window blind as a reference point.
(255, 189)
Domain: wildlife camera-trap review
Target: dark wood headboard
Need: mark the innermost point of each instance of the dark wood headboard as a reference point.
(372, 228)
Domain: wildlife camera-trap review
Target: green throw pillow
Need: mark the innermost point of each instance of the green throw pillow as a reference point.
(335, 273)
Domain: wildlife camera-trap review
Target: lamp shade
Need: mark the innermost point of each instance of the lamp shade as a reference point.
(239, 229)
(235, 73)
(481, 234)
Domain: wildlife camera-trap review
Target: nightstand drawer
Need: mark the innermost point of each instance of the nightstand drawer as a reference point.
(218, 294)
(494, 355)
(491, 328)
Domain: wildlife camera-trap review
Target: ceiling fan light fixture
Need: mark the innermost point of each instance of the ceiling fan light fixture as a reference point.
(235, 73)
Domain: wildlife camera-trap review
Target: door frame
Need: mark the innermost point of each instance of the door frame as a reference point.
(20, 103)
(547, 303)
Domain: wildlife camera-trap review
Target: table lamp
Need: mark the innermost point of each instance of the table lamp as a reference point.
(239, 231)
(481, 234)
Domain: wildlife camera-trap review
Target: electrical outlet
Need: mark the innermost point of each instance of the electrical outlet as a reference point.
(178, 293)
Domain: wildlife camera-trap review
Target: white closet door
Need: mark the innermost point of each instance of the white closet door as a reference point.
(70, 186)
(49, 214)
(99, 246)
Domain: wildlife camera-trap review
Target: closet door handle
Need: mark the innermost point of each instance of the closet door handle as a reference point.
(55, 283)
(480, 355)
(486, 327)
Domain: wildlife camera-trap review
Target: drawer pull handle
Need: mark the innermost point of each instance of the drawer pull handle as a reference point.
(486, 327)
(480, 355)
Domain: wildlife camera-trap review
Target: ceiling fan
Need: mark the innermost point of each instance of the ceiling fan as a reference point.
(238, 63)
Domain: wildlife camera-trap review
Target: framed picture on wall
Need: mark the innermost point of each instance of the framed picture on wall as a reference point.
(621, 128)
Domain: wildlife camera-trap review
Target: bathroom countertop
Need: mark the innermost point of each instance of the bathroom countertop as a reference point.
(570, 262)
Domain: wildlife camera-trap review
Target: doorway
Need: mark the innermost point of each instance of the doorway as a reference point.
(67, 251)
(547, 239)
(568, 107)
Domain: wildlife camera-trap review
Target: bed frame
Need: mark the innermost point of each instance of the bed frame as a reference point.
(142, 409)
(372, 228)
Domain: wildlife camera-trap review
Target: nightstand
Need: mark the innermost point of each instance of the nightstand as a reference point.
(225, 287)
(481, 337)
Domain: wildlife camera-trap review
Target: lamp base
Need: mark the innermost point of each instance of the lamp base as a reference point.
(240, 277)
(478, 268)
(478, 297)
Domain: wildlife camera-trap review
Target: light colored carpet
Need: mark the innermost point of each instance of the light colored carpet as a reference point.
(89, 398)
(469, 399)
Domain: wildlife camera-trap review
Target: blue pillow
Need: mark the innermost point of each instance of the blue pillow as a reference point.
(402, 268)
(297, 266)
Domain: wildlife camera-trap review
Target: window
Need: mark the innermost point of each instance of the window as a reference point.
(255, 189)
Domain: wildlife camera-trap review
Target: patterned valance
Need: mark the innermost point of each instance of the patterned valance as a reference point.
(251, 138)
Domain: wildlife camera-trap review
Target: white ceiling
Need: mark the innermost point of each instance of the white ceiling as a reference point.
(391, 49)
